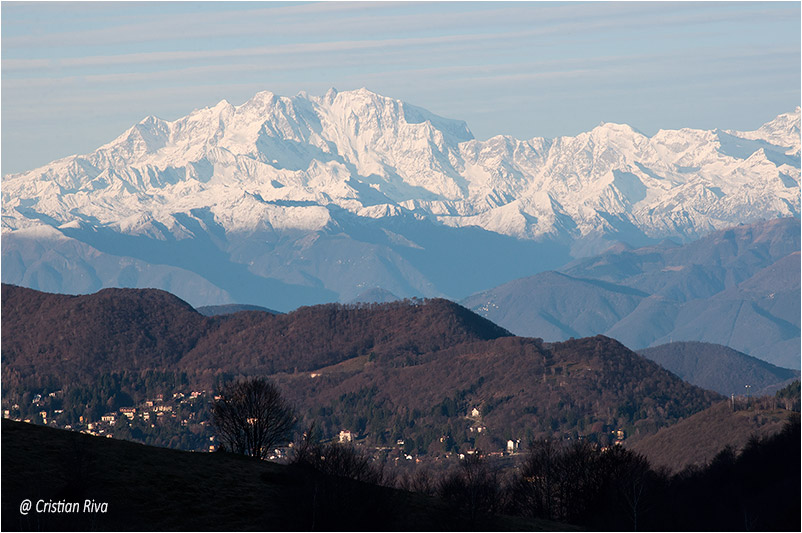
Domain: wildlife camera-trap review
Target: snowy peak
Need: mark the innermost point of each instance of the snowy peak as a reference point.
(284, 162)
(784, 124)
(782, 132)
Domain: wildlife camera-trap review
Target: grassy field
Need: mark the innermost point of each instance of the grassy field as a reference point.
(148, 489)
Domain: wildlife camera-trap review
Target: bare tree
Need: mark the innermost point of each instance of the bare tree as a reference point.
(535, 490)
(251, 417)
(474, 487)
(339, 460)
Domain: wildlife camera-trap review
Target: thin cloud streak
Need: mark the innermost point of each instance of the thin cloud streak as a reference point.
(251, 23)
(523, 60)
(641, 63)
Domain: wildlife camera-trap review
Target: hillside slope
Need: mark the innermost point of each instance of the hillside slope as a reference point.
(697, 439)
(155, 489)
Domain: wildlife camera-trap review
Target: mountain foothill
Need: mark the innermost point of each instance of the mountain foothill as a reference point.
(431, 357)
(410, 369)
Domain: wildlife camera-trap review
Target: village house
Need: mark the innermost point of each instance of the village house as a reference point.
(128, 412)
(110, 418)
(278, 453)
(346, 436)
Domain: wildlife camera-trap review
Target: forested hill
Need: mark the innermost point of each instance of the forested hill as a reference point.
(697, 439)
(74, 338)
(411, 370)
(521, 389)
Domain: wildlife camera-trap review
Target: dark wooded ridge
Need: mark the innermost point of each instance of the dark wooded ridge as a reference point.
(411, 370)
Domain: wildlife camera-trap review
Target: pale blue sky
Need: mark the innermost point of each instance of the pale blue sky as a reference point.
(76, 75)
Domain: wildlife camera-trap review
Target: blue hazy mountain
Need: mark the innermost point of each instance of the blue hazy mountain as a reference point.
(739, 288)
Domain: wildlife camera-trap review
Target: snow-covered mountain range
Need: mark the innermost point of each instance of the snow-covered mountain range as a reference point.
(240, 182)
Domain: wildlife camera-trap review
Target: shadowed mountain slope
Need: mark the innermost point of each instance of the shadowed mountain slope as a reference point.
(718, 368)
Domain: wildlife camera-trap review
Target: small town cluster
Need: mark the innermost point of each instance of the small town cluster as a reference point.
(181, 420)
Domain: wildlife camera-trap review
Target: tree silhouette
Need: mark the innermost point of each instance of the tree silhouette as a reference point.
(473, 487)
(251, 417)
